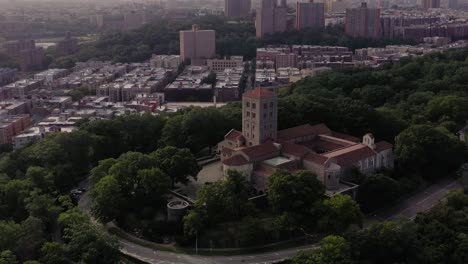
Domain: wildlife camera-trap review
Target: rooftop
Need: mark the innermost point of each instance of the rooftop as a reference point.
(259, 93)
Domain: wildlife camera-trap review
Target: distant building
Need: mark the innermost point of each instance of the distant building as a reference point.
(363, 22)
(51, 75)
(134, 19)
(32, 59)
(11, 126)
(310, 15)
(271, 18)
(68, 45)
(165, 61)
(219, 65)
(427, 4)
(8, 75)
(14, 48)
(453, 4)
(237, 8)
(197, 45)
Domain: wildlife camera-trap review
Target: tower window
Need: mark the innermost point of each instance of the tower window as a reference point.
(254, 105)
(247, 104)
(271, 114)
(265, 106)
(248, 113)
(253, 115)
(271, 104)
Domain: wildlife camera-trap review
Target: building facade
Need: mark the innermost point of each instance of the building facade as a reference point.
(310, 15)
(197, 45)
(363, 22)
(427, 4)
(271, 18)
(237, 8)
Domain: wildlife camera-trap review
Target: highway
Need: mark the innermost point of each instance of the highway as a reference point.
(420, 202)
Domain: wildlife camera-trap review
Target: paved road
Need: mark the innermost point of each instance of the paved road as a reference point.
(162, 257)
(420, 202)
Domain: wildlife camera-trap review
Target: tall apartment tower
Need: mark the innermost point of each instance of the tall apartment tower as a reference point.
(237, 8)
(426, 4)
(310, 15)
(363, 22)
(197, 45)
(259, 116)
(271, 18)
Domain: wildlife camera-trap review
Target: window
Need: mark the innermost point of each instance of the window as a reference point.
(264, 115)
(271, 114)
(265, 106)
(253, 135)
(253, 115)
(248, 125)
(254, 105)
(248, 113)
(247, 104)
(271, 104)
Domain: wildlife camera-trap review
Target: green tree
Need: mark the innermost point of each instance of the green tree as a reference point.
(101, 170)
(73, 216)
(40, 177)
(340, 211)
(424, 149)
(32, 238)
(225, 200)
(155, 183)
(43, 207)
(179, 164)
(294, 192)
(107, 199)
(7, 257)
(10, 232)
(54, 253)
(332, 250)
(377, 191)
(89, 244)
(388, 242)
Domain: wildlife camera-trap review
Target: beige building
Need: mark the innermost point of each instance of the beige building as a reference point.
(363, 22)
(259, 111)
(310, 15)
(271, 18)
(237, 8)
(259, 150)
(197, 45)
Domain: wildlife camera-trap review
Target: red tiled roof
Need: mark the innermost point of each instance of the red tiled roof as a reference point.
(259, 93)
(345, 137)
(236, 160)
(382, 145)
(260, 150)
(315, 158)
(349, 156)
(304, 130)
(294, 149)
(234, 135)
(227, 150)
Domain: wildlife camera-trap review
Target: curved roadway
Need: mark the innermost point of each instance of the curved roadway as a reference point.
(420, 202)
